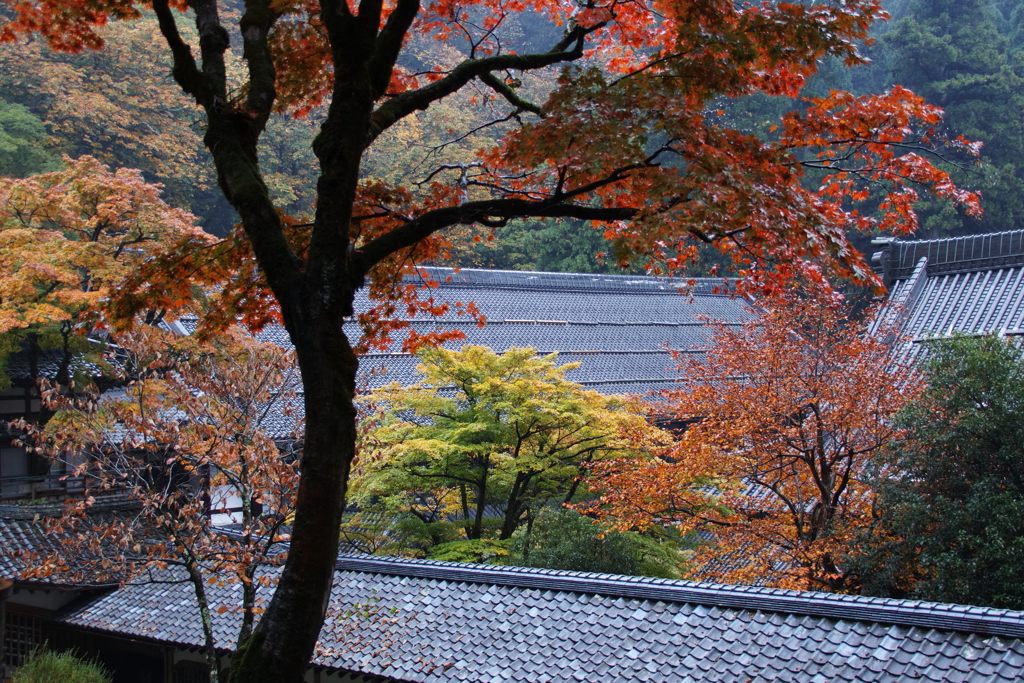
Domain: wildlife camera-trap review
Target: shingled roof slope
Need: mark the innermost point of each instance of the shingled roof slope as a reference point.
(972, 285)
(27, 536)
(632, 319)
(620, 327)
(416, 620)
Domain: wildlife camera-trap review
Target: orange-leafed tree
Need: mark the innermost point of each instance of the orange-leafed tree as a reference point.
(68, 239)
(627, 138)
(783, 419)
(198, 429)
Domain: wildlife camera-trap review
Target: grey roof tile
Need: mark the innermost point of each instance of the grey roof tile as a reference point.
(620, 327)
(661, 630)
(972, 284)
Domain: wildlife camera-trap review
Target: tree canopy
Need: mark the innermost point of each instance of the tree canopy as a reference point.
(505, 432)
(21, 142)
(68, 240)
(783, 419)
(955, 55)
(626, 137)
(950, 517)
(190, 434)
(565, 539)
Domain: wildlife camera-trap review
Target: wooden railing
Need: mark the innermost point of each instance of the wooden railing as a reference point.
(47, 488)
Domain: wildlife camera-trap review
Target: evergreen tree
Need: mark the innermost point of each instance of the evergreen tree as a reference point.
(953, 54)
(950, 514)
(22, 135)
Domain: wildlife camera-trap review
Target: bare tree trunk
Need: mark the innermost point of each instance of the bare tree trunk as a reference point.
(209, 645)
(515, 506)
(279, 647)
(477, 529)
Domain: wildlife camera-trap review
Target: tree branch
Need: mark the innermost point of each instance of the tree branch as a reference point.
(570, 48)
(389, 44)
(255, 25)
(213, 43)
(509, 94)
(479, 212)
(185, 70)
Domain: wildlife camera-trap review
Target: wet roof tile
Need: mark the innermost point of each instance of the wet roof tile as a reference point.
(971, 285)
(509, 622)
(620, 328)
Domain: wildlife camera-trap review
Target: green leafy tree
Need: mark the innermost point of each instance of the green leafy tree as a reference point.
(952, 53)
(479, 550)
(22, 135)
(950, 513)
(564, 246)
(483, 431)
(565, 539)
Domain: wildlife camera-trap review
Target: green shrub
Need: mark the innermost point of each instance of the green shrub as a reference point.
(46, 666)
(483, 551)
(565, 539)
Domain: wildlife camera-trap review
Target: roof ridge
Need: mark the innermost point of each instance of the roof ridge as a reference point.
(940, 240)
(963, 254)
(609, 283)
(939, 616)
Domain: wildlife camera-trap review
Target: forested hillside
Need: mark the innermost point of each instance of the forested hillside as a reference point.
(966, 56)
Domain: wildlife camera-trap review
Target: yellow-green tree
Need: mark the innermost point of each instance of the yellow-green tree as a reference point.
(482, 429)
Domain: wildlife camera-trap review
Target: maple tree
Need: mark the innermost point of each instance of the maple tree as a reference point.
(68, 239)
(625, 138)
(191, 434)
(784, 416)
(482, 429)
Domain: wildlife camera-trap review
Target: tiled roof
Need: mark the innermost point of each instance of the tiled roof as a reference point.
(18, 367)
(26, 534)
(973, 253)
(415, 620)
(620, 327)
(973, 285)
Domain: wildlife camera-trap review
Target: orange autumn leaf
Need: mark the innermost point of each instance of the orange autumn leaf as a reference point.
(783, 419)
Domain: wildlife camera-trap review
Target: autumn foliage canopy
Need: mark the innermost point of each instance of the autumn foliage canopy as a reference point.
(68, 240)
(189, 435)
(784, 417)
(614, 122)
(629, 135)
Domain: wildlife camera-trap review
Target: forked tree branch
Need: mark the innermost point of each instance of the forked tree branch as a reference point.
(570, 48)
(185, 70)
(389, 45)
(213, 43)
(255, 26)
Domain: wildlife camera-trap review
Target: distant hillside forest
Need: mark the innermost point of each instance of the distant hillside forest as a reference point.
(966, 56)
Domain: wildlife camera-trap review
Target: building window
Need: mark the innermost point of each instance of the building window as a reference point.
(23, 633)
(191, 672)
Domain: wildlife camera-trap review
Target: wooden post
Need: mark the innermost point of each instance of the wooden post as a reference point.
(6, 588)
